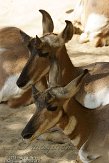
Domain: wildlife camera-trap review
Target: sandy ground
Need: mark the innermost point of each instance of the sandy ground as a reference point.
(13, 148)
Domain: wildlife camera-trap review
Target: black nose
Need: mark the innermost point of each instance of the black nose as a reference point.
(21, 83)
(29, 129)
(26, 135)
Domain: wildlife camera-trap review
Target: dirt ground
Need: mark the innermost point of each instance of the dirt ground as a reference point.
(13, 149)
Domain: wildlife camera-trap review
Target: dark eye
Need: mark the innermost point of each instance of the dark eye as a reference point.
(52, 108)
(44, 54)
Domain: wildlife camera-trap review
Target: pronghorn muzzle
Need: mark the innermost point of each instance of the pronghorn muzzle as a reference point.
(31, 127)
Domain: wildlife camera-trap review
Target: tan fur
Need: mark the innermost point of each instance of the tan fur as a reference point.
(9, 63)
(89, 130)
(90, 127)
(88, 121)
(13, 57)
(98, 7)
(54, 45)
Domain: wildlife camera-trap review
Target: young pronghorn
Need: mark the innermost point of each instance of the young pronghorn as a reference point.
(92, 17)
(94, 90)
(87, 129)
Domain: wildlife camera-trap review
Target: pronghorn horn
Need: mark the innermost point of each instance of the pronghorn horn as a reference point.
(47, 22)
(67, 33)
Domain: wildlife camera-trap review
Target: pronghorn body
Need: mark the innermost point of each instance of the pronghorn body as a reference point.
(13, 56)
(93, 19)
(94, 91)
(87, 129)
(76, 121)
(96, 82)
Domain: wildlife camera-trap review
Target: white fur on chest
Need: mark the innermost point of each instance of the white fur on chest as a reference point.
(97, 99)
(10, 89)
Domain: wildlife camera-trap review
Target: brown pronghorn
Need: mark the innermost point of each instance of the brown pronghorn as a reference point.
(87, 129)
(94, 91)
(92, 17)
(13, 56)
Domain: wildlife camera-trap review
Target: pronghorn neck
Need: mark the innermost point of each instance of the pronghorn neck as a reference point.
(69, 71)
(76, 122)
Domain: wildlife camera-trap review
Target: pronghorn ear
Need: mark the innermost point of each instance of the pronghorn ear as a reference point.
(67, 33)
(26, 38)
(47, 22)
(38, 42)
(70, 89)
(35, 42)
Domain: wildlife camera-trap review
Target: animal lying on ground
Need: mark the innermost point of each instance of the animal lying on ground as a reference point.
(95, 83)
(87, 129)
(18, 49)
(94, 90)
(13, 56)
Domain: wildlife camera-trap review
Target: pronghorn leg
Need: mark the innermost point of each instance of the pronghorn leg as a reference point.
(98, 41)
(102, 42)
(54, 135)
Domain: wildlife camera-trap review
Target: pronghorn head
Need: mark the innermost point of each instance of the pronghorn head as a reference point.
(42, 49)
(50, 104)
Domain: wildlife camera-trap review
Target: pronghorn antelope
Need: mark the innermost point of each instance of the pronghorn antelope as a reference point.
(87, 129)
(13, 56)
(92, 17)
(94, 90)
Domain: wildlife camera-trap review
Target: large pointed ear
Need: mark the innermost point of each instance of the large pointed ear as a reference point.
(67, 33)
(70, 89)
(38, 42)
(47, 22)
(26, 38)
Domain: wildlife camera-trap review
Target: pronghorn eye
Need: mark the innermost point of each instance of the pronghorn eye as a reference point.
(52, 108)
(44, 54)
